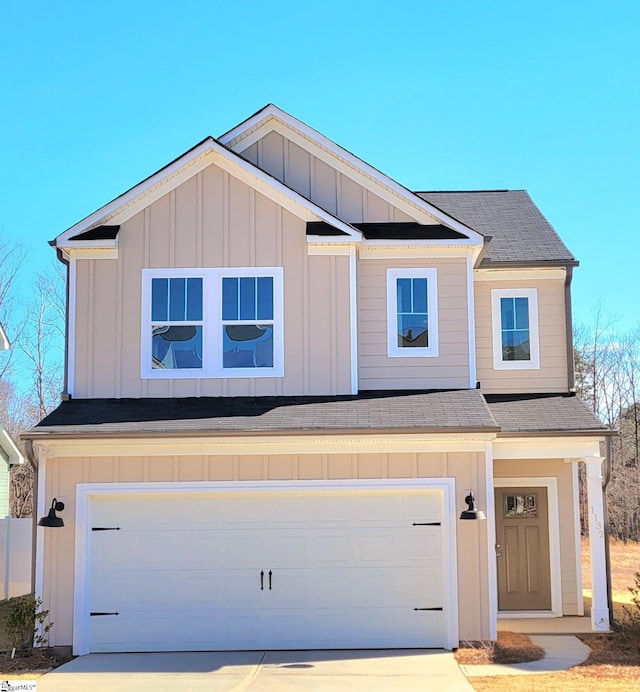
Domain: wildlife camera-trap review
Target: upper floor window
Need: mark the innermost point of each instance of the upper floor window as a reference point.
(212, 323)
(412, 312)
(515, 329)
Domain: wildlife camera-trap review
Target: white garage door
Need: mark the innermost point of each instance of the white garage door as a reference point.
(280, 570)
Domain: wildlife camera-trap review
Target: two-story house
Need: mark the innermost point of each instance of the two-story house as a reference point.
(286, 375)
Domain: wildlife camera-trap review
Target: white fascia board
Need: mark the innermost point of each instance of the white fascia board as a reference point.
(521, 274)
(10, 448)
(316, 444)
(90, 252)
(209, 152)
(335, 249)
(546, 447)
(272, 118)
(4, 342)
(373, 250)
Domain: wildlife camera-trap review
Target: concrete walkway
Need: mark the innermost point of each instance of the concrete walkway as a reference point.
(561, 652)
(279, 671)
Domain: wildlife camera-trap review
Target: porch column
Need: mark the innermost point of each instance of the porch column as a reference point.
(599, 606)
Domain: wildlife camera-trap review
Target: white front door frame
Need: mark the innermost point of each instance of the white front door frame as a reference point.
(551, 484)
(85, 491)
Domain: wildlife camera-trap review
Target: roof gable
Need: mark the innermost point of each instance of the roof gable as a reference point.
(90, 230)
(271, 118)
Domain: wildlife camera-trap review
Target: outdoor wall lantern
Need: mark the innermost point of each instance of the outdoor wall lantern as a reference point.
(471, 512)
(51, 519)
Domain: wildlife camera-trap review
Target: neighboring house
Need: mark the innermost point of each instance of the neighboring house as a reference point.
(4, 342)
(10, 455)
(286, 372)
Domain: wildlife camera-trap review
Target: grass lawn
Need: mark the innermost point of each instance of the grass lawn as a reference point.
(614, 663)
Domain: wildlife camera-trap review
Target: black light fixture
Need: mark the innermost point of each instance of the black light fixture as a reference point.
(51, 520)
(471, 512)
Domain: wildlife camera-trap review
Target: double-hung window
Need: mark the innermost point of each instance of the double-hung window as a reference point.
(412, 312)
(515, 329)
(212, 323)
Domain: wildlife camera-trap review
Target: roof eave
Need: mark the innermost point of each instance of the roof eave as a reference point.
(49, 434)
(522, 264)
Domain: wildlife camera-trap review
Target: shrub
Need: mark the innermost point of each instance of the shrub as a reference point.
(25, 623)
(629, 626)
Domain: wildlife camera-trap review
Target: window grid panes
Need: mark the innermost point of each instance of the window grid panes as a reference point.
(176, 323)
(412, 312)
(247, 322)
(515, 329)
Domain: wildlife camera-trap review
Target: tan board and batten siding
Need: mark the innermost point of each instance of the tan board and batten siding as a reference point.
(468, 469)
(552, 375)
(315, 180)
(212, 220)
(561, 470)
(450, 369)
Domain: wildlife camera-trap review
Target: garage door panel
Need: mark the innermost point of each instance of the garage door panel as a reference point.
(347, 571)
(242, 548)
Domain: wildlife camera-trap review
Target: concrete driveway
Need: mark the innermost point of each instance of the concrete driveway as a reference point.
(260, 672)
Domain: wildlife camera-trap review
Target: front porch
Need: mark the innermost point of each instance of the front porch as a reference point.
(570, 624)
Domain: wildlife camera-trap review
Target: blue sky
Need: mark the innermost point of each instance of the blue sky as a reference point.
(448, 95)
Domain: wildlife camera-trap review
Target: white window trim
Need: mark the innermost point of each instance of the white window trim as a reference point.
(393, 350)
(212, 323)
(496, 318)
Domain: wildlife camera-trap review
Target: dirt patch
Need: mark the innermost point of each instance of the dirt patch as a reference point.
(511, 647)
(35, 662)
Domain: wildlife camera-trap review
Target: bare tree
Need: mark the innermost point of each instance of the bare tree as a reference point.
(608, 379)
(43, 341)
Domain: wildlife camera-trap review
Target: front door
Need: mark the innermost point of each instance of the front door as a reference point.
(522, 548)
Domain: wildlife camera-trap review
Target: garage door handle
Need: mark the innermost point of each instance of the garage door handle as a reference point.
(262, 580)
(270, 573)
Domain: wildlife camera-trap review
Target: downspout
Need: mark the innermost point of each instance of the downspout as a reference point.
(571, 371)
(28, 446)
(605, 514)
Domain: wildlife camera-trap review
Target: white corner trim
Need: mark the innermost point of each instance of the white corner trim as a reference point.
(575, 487)
(551, 484)
(431, 275)
(273, 118)
(471, 314)
(86, 491)
(496, 321)
(41, 510)
(353, 317)
(491, 543)
(71, 336)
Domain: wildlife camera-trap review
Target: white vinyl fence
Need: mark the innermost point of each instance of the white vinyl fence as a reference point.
(15, 557)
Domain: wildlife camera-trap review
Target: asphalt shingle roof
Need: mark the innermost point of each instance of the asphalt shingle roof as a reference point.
(520, 233)
(534, 413)
(409, 411)
(464, 410)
